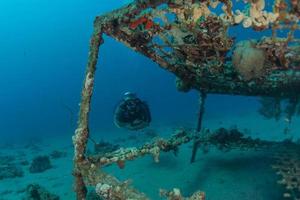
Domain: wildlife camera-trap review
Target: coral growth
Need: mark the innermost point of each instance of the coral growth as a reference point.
(37, 192)
(175, 194)
(257, 17)
(10, 171)
(40, 164)
(225, 140)
(123, 154)
(109, 192)
(278, 53)
(248, 60)
(92, 195)
(8, 168)
(147, 23)
(287, 166)
(194, 44)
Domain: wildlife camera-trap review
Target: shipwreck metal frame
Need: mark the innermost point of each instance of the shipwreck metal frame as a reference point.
(203, 75)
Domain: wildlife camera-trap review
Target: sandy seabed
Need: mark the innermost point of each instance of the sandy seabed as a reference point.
(235, 175)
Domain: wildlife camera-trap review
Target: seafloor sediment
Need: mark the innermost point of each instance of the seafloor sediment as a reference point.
(234, 175)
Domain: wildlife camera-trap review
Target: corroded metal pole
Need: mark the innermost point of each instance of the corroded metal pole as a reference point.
(199, 125)
(82, 132)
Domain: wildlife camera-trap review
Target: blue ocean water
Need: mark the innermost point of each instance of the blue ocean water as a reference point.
(43, 54)
(44, 47)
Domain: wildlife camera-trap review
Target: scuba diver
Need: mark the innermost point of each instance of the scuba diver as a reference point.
(132, 113)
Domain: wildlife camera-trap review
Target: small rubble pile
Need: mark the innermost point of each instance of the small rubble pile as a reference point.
(40, 164)
(9, 169)
(37, 192)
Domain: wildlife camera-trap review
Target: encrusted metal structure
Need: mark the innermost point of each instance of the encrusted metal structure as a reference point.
(190, 39)
(187, 39)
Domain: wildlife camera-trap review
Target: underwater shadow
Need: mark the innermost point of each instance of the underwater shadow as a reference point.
(233, 169)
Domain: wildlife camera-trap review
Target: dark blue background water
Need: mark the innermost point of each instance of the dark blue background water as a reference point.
(44, 48)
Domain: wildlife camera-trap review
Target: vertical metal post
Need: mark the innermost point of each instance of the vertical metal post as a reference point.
(196, 144)
(81, 136)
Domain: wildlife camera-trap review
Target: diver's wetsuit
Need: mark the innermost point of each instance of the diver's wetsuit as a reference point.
(133, 114)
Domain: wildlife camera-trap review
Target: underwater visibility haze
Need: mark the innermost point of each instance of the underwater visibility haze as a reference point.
(150, 99)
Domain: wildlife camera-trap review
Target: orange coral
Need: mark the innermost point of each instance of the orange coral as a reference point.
(142, 20)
